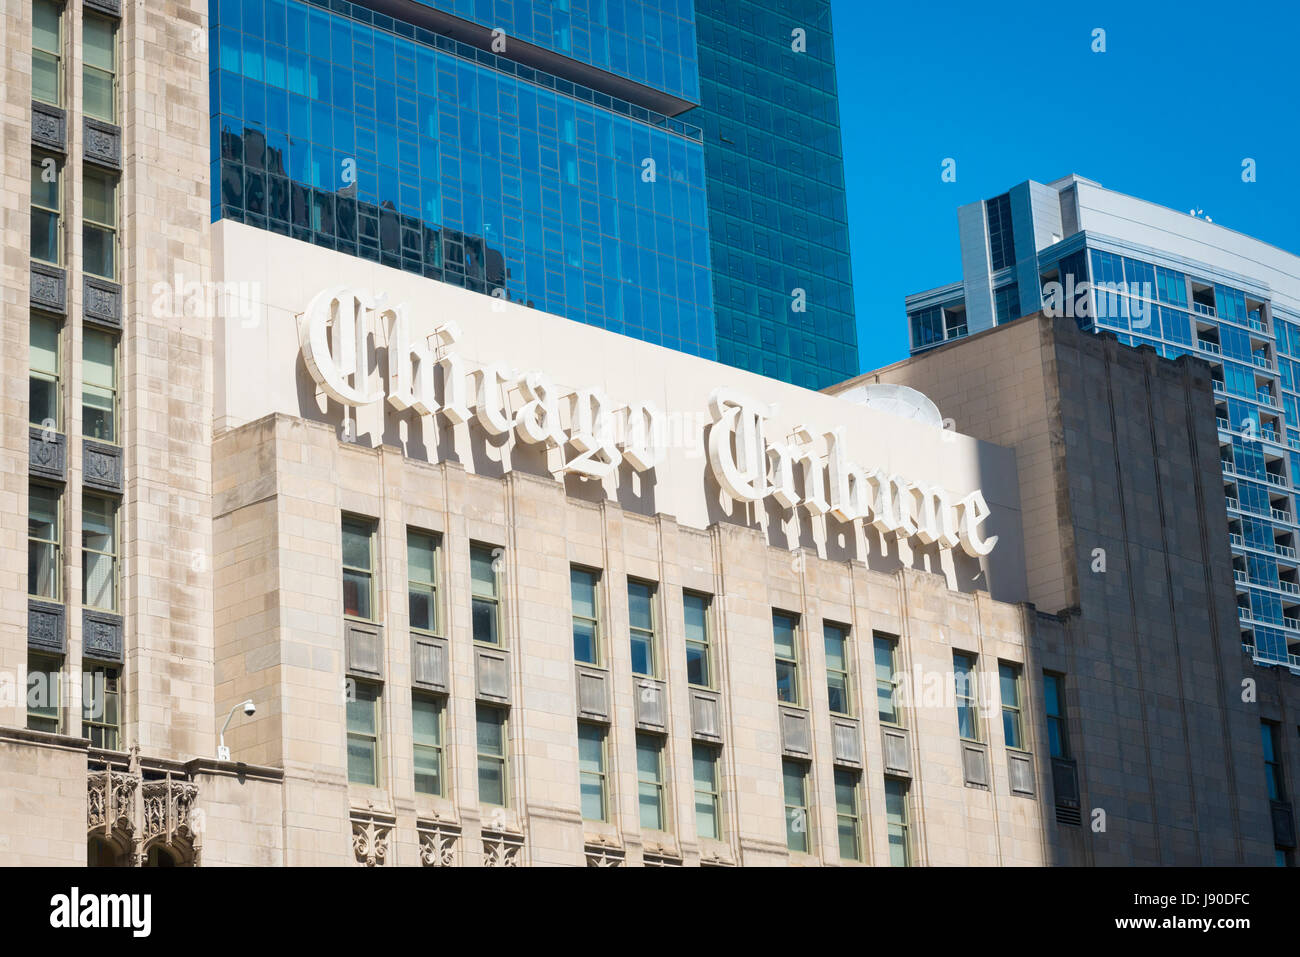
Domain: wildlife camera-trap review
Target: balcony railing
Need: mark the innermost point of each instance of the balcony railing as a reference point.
(1213, 348)
(1223, 423)
(1256, 324)
(1263, 362)
(1233, 503)
(1286, 551)
(1278, 480)
(1292, 623)
(1240, 576)
(1235, 538)
(1205, 310)
(1293, 442)
(1291, 588)
(1267, 398)
(1279, 515)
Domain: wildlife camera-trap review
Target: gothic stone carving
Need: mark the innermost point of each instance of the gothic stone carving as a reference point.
(103, 142)
(602, 855)
(49, 288)
(102, 301)
(167, 807)
(501, 849)
(101, 635)
(101, 466)
(370, 841)
(45, 626)
(45, 453)
(49, 126)
(438, 844)
(111, 801)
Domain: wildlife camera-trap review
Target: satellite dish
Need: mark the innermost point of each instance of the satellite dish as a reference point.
(899, 400)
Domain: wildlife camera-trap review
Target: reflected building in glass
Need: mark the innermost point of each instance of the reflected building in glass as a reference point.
(782, 280)
(1178, 284)
(553, 157)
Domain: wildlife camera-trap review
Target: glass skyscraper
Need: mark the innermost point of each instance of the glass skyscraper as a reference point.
(1180, 284)
(782, 282)
(544, 153)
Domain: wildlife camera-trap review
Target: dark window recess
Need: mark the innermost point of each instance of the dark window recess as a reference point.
(255, 149)
(254, 191)
(277, 206)
(1002, 243)
(232, 185)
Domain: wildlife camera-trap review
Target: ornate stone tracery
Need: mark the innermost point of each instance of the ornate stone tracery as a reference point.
(370, 836)
(502, 849)
(438, 843)
(131, 816)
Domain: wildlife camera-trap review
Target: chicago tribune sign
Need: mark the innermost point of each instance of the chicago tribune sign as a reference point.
(335, 334)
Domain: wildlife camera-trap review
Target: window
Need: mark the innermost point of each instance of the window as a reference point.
(99, 222)
(1006, 303)
(427, 716)
(699, 656)
(47, 52)
(795, 780)
(1009, 689)
(591, 771)
(1058, 741)
(708, 797)
(887, 703)
(838, 695)
(785, 630)
(1002, 244)
(422, 580)
(358, 567)
(99, 385)
(100, 706)
(650, 781)
(641, 625)
(99, 570)
(99, 76)
(47, 208)
(43, 380)
(963, 667)
(491, 734)
(896, 823)
(44, 543)
(363, 733)
(43, 693)
(1273, 760)
(484, 586)
(846, 814)
(586, 615)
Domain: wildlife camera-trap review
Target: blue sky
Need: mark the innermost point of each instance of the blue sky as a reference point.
(1184, 92)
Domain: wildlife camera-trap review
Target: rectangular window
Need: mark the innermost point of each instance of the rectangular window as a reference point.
(699, 651)
(708, 797)
(99, 75)
(1058, 740)
(422, 580)
(99, 385)
(650, 781)
(838, 690)
(641, 627)
(47, 208)
(1273, 760)
(846, 814)
(43, 693)
(358, 567)
(794, 775)
(1013, 730)
(427, 717)
(491, 735)
(785, 631)
(707, 791)
(363, 734)
(47, 52)
(896, 823)
(43, 389)
(99, 222)
(586, 615)
(99, 567)
(44, 543)
(1002, 244)
(887, 703)
(100, 706)
(484, 587)
(964, 677)
(591, 771)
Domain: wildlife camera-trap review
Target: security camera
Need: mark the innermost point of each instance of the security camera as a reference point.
(250, 709)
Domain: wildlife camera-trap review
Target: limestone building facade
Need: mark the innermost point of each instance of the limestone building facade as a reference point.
(503, 589)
